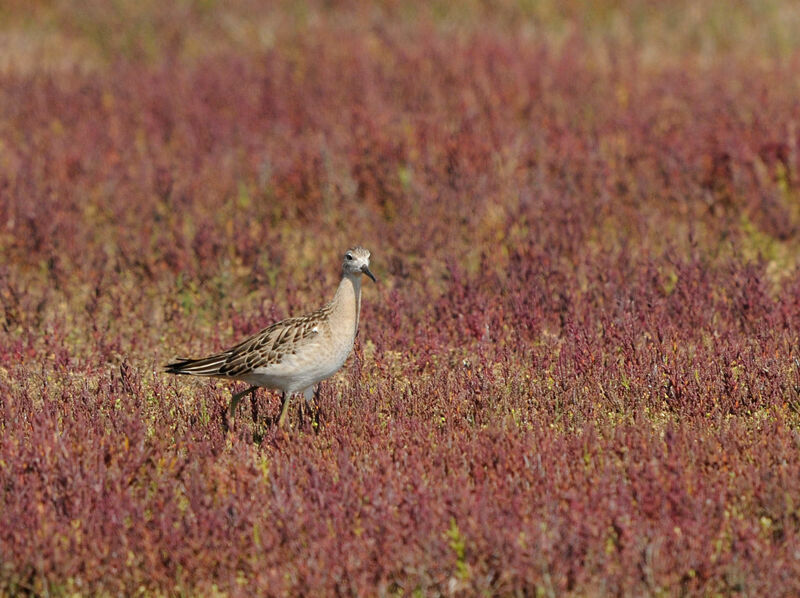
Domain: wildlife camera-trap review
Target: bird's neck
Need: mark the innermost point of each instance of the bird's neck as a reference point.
(347, 300)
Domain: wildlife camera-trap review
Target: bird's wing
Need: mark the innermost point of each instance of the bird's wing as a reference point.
(272, 344)
(267, 347)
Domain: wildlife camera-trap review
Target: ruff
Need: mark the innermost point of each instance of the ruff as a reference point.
(295, 354)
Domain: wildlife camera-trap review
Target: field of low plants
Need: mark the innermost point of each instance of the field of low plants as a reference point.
(578, 374)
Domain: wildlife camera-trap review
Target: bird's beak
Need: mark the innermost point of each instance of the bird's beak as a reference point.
(365, 270)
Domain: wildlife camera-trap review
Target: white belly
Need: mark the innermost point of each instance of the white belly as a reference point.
(312, 364)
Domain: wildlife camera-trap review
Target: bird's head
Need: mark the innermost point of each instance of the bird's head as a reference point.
(356, 262)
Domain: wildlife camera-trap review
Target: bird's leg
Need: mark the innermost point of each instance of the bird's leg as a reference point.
(311, 395)
(317, 390)
(284, 408)
(254, 407)
(238, 397)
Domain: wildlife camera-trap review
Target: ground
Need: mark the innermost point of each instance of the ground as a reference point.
(577, 375)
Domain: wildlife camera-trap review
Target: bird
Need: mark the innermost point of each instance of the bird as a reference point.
(293, 355)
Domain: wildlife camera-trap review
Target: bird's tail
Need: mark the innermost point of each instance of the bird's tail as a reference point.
(206, 366)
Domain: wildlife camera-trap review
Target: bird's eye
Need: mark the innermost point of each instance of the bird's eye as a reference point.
(348, 256)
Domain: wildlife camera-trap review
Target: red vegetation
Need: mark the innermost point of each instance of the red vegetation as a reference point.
(578, 374)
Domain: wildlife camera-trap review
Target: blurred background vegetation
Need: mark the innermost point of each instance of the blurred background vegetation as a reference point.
(95, 33)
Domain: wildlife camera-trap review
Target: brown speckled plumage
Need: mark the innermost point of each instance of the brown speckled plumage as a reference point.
(267, 347)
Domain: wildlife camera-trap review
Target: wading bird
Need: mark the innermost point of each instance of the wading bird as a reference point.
(295, 354)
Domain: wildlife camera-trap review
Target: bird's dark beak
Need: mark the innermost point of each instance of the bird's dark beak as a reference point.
(365, 270)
